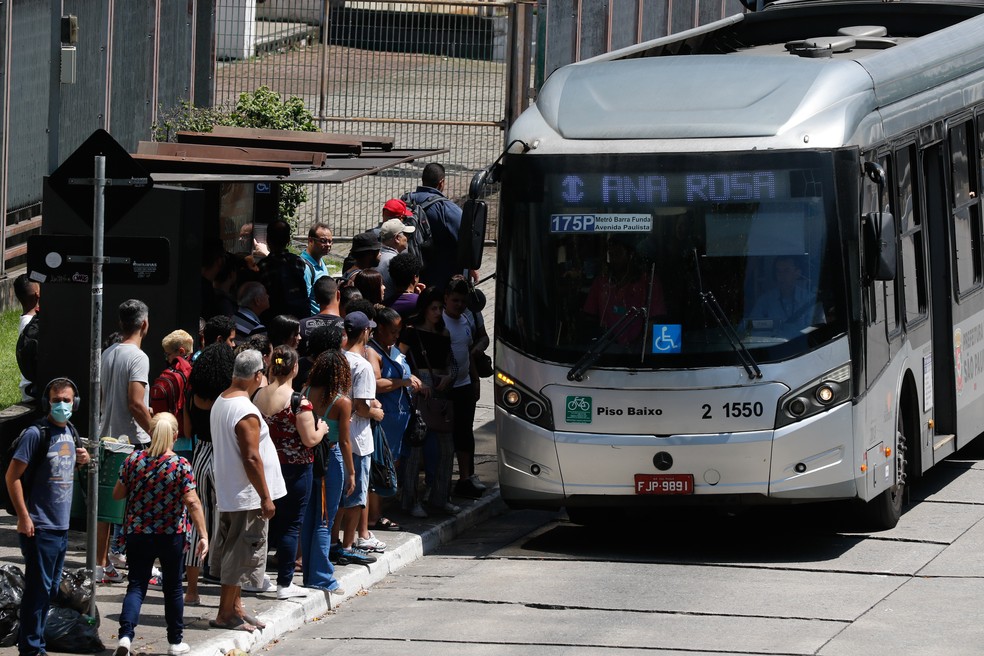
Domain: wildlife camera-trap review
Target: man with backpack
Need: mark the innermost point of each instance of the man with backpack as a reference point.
(39, 483)
(438, 215)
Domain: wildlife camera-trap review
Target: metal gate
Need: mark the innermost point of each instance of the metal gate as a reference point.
(431, 74)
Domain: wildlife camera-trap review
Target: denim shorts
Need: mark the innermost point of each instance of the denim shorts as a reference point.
(358, 497)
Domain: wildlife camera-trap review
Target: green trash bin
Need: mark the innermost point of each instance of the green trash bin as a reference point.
(112, 455)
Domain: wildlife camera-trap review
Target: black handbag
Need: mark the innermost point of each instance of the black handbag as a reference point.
(416, 432)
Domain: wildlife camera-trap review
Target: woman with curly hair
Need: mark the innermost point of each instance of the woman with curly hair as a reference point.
(328, 386)
(211, 374)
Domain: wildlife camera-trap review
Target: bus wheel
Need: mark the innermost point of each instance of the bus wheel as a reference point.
(883, 512)
(592, 517)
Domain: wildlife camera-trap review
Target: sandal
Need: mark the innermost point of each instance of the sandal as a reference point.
(383, 524)
(237, 624)
(255, 622)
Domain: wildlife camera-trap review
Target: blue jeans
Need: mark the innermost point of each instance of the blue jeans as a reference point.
(316, 529)
(44, 556)
(141, 550)
(286, 522)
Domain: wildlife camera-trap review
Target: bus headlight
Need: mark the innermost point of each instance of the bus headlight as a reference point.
(819, 395)
(522, 402)
(511, 398)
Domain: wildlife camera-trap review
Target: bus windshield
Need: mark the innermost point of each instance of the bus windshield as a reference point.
(644, 250)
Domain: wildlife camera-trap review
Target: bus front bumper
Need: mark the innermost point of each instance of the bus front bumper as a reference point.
(810, 460)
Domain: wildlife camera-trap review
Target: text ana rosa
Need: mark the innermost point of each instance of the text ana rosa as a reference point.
(644, 411)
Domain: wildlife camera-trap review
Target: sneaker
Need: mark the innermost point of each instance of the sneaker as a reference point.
(155, 579)
(122, 647)
(335, 555)
(357, 556)
(418, 511)
(289, 591)
(108, 575)
(117, 559)
(371, 543)
(178, 649)
(466, 488)
(266, 586)
(479, 485)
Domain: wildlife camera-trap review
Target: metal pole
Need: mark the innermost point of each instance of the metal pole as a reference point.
(8, 37)
(99, 209)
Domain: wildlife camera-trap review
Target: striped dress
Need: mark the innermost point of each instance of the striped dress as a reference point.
(201, 464)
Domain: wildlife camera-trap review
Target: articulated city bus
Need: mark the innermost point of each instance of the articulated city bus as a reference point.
(744, 264)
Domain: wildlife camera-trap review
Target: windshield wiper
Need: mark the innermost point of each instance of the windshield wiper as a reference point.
(711, 303)
(601, 344)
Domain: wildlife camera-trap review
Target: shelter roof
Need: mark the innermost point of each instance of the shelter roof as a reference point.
(230, 154)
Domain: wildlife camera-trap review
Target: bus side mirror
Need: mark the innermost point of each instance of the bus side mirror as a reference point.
(471, 234)
(879, 242)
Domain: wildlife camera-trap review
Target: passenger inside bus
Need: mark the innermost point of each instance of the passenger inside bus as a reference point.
(625, 282)
(791, 307)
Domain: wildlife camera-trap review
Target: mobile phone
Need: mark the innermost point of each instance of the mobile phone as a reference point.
(260, 233)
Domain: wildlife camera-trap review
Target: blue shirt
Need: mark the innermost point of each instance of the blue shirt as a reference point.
(315, 270)
(49, 501)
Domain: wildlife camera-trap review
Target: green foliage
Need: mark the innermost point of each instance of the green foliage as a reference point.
(187, 117)
(9, 373)
(262, 108)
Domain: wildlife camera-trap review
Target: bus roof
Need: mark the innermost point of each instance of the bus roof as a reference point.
(800, 67)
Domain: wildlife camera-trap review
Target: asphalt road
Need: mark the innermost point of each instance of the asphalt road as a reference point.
(798, 580)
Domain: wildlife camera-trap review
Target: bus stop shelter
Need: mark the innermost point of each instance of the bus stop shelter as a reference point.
(201, 188)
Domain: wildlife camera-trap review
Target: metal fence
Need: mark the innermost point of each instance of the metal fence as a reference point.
(431, 74)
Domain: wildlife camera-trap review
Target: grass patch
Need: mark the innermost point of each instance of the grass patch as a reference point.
(9, 373)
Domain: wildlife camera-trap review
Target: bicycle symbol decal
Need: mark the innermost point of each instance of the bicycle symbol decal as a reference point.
(667, 338)
(578, 403)
(578, 410)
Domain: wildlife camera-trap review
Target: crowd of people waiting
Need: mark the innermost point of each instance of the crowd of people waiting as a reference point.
(267, 444)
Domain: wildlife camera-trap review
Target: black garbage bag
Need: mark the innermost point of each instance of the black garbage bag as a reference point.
(9, 626)
(11, 586)
(70, 631)
(75, 590)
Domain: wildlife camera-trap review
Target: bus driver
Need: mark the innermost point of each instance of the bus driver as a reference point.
(789, 307)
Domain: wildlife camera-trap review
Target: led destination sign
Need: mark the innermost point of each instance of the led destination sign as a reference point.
(669, 189)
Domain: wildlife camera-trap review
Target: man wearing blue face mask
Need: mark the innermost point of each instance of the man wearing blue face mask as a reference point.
(39, 483)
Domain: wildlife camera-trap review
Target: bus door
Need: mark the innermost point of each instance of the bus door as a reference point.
(940, 302)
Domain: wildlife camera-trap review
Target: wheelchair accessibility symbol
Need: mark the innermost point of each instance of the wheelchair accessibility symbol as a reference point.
(667, 338)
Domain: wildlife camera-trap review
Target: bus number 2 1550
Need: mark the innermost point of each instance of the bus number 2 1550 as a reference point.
(736, 409)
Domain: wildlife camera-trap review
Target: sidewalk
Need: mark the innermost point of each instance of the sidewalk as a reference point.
(418, 537)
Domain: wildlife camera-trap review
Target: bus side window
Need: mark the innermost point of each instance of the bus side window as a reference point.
(965, 206)
(909, 216)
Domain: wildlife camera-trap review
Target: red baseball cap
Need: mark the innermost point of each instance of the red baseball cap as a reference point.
(397, 206)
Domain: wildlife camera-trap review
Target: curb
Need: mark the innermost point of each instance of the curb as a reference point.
(291, 614)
